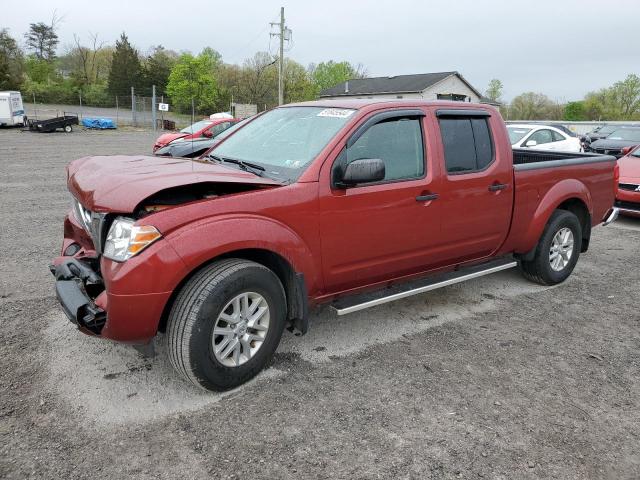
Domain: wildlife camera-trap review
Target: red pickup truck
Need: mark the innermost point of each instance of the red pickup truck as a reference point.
(355, 203)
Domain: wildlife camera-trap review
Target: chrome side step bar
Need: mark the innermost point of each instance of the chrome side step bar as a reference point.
(368, 300)
(612, 216)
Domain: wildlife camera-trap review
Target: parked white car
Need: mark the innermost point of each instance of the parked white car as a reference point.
(542, 137)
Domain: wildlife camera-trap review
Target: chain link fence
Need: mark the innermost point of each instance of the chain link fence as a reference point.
(125, 110)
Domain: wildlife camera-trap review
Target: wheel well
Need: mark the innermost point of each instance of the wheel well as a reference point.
(292, 281)
(580, 210)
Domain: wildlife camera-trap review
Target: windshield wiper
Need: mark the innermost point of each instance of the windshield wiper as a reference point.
(242, 164)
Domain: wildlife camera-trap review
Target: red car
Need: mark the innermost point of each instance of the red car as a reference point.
(628, 195)
(352, 203)
(203, 129)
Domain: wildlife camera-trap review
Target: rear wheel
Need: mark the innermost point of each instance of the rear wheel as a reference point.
(68, 128)
(226, 323)
(557, 251)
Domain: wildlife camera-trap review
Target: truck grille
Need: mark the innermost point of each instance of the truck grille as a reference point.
(93, 223)
(82, 214)
(634, 187)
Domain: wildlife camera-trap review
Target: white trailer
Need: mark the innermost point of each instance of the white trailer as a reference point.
(11, 108)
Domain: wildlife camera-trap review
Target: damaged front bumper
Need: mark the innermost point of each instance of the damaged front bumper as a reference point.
(77, 282)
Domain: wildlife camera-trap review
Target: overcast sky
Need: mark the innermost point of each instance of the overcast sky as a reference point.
(563, 48)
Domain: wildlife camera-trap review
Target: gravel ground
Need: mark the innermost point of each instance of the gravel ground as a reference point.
(495, 378)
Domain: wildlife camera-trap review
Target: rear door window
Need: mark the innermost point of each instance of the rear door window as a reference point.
(467, 144)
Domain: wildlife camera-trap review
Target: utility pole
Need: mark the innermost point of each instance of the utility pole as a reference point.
(133, 106)
(153, 107)
(283, 34)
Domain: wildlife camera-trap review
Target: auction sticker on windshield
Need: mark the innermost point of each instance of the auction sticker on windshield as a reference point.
(336, 112)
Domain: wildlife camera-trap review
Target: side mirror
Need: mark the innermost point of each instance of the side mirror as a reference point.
(531, 143)
(207, 133)
(626, 151)
(364, 170)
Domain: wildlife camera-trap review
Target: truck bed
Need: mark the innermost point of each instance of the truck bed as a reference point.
(537, 173)
(523, 158)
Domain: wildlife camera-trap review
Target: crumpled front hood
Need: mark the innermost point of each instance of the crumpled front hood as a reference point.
(169, 137)
(629, 168)
(120, 183)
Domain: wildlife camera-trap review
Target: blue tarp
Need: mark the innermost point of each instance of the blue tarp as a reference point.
(101, 123)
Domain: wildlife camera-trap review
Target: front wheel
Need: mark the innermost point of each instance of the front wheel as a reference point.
(226, 323)
(68, 128)
(557, 251)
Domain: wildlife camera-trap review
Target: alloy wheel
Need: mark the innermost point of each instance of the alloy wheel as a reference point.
(561, 249)
(240, 329)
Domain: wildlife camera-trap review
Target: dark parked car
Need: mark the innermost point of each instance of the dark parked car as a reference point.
(600, 132)
(616, 141)
(196, 147)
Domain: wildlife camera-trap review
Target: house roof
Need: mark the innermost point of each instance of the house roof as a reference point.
(394, 84)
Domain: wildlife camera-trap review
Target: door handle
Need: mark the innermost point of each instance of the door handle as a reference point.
(495, 187)
(426, 198)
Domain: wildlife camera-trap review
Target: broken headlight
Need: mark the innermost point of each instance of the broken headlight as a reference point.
(125, 239)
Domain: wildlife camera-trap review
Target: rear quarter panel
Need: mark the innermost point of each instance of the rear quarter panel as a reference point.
(539, 191)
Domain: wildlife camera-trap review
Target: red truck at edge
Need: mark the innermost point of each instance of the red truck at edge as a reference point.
(353, 203)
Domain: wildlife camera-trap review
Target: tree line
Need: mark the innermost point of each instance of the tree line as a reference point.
(99, 72)
(620, 101)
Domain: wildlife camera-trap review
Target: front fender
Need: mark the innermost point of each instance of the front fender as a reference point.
(198, 243)
(559, 193)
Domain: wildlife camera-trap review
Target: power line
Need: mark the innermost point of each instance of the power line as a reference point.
(250, 42)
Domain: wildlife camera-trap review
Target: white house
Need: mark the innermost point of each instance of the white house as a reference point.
(427, 86)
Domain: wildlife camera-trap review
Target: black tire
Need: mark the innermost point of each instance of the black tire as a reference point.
(539, 269)
(68, 128)
(196, 309)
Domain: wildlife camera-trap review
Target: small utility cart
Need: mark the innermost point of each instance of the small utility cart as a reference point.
(65, 122)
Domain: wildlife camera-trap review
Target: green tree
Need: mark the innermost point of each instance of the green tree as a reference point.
(87, 64)
(621, 101)
(298, 86)
(157, 67)
(626, 96)
(11, 62)
(42, 40)
(575, 111)
(258, 81)
(41, 71)
(329, 74)
(214, 56)
(494, 90)
(125, 68)
(192, 80)
(594, 105)
(530, 106)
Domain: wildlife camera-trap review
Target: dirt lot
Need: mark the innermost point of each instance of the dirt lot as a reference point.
(496, 378)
